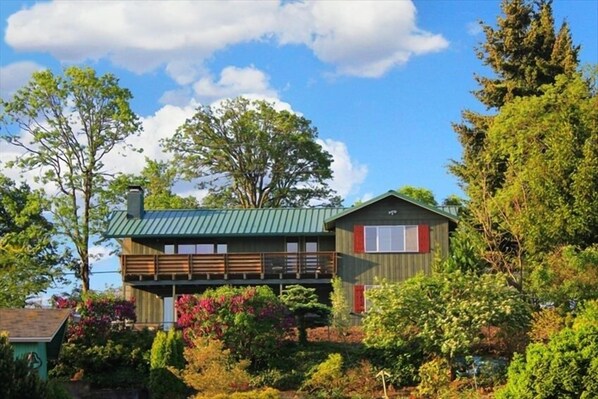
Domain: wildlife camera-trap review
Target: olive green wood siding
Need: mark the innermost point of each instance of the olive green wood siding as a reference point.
(245, 244)
(366, 268)
(148, 305)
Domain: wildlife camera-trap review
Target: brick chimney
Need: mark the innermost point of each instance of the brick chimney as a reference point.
(135, 202)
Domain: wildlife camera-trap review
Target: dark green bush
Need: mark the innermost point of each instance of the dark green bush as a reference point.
(565, 367)
(17, 380)
(122, 362)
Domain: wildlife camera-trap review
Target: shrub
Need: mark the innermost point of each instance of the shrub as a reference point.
(167, 350)
(435, 377)
(308, 312)
(401, 363)
(340, 308)
(326, 378)
(564, 367)
(211, 369)
(17, 380)
(122, 361)
(268, 393)
(443, 314)
(251, 322)
(98, 314)
(546, 323)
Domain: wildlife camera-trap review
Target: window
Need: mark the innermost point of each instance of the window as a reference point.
(190, 249)
(186, 249)
(169, 249)
(204, 249)
(391, 238)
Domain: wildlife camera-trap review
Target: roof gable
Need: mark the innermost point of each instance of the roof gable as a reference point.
(331, 221)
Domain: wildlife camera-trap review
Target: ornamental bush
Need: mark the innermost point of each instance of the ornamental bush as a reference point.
(443, 314)
(96, 314)
(99, 348)
(251, 322)
(166, 353)
(564, 367)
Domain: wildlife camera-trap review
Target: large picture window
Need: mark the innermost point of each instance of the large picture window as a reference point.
(391, 238)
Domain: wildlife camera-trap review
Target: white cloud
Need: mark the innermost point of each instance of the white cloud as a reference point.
(348, 174)
(233, 82)
(361, 38)
(16, 75)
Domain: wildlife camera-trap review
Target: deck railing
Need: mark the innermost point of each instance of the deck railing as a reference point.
(265, 264)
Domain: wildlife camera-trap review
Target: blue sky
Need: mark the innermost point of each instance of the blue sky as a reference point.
(382, 81)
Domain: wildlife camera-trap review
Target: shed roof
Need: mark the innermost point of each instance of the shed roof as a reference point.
(32, 325)
(221, 222)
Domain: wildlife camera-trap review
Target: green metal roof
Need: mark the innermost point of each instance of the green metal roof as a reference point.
(330, 221)
(221, 222)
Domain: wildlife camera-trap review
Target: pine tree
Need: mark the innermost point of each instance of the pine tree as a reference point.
(524, 53)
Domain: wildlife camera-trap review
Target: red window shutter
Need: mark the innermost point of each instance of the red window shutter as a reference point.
(358, 239)
(358, 299)
(423, 237)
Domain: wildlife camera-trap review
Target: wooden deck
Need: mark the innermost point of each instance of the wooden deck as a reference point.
(268, 265)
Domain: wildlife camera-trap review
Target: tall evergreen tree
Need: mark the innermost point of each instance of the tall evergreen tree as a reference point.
(525, 53)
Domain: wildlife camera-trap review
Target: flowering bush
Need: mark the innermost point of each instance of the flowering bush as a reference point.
(97, 316)
(251, 321)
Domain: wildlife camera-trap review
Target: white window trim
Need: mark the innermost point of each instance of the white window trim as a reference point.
(378, 227)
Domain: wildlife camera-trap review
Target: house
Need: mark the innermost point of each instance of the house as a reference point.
(166, 253)
(36, 334)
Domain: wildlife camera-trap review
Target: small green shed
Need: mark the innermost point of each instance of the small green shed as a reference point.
(36, 334)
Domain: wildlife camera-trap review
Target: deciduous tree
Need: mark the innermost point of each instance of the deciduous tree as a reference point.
(420, 194)
(67, 125)
(252, 156)
(157, 179)
(30, 258)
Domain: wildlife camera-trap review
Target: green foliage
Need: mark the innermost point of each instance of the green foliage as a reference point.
(326, 377)
(99, 314)
(565, 367)
(265, 158)
(157, 179)
(506, 187)
(401, 362)
(67, 126)
(120, 361)
(442, 313)
(546, 323)
(435, 377)
(267, 393)
(17, 380)
(524, 52)
(252, 322)
(30, 258)
(423, 195)
(340, 319)
(568, 275)
(303, 303)
(167, 351)
(211, 369)
(465, 252)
